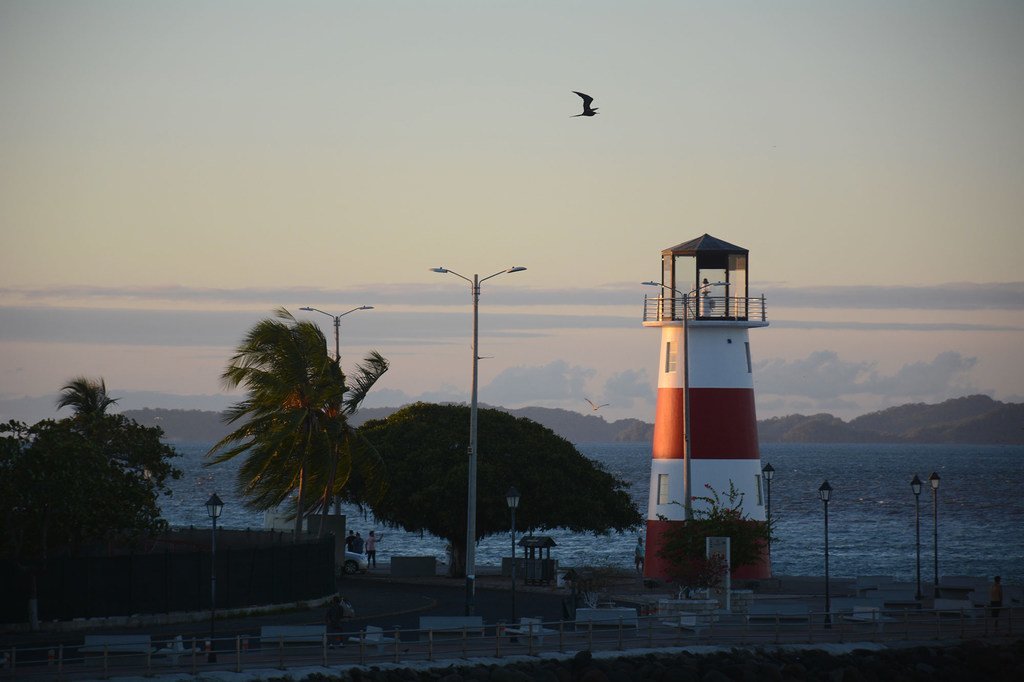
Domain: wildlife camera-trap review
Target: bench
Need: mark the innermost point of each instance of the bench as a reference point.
(117, 644)
(293, 634)
(532, 628)
(372, 636)
(869, 614)
(174, 650)
(789, 613)
(688, 620)
(452, 625)
(626, 615)
(954, 607)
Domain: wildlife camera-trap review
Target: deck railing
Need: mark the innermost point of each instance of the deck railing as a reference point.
(697, 308)
(394, 645)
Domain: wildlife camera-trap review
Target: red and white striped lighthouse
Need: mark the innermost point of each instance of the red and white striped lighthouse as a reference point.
(705, 427)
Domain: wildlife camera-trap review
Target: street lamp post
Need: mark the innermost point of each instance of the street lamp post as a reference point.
(825, 493)
(214, 506)
(512, 498)
(915, 486)
(337, 359)
(934, 481)
(337, 325)
(471, 496)
(768, 472)
(687, 477)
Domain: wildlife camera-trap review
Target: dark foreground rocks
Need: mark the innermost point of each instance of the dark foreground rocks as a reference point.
(967, 661)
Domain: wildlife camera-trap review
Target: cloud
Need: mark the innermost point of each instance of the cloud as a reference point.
(823, 377)
(557, 380)
(626, 387)
(946, 375)
(947, 296)
(950, 296)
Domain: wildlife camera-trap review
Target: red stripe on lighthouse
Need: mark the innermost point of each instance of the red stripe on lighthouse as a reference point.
(668, 424)
(723, 424)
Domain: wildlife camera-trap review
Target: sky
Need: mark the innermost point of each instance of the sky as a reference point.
(172, 172)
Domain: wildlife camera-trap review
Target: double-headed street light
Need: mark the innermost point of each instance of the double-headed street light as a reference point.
(687, 486)
(471, 496)
(337, 325)
(915, 486)
(214, 506)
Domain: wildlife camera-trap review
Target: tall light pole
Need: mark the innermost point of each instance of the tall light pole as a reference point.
(915, 486)
(337, 359)
(337, 325)
(474, 285)
(768, 472)
(934, 481)
(214, 506)
(687, 478)
(825, 493)
(512, 499)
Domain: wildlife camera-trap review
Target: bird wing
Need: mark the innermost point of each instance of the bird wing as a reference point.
(591, 403)
(587, 99)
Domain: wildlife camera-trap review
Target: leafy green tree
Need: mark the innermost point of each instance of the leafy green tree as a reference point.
(684, 544)
(424, 448)
(64, 486)
(293, 427)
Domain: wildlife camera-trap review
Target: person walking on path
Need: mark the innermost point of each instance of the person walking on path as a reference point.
(995, 599)
(371, 549)
(333, 617)
(638, 555)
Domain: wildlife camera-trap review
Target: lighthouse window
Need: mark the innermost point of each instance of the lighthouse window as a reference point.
(662, 488)
(670, 358)
(747, 347)
(757, 486)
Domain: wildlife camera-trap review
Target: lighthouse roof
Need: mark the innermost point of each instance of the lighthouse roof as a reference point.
(703, 244)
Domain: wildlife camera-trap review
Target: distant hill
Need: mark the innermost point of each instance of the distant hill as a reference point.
(972, 419)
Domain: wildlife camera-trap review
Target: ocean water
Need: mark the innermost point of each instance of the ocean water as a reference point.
(980, 506)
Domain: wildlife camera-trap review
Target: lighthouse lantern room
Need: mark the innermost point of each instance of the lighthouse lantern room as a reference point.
(705, 426)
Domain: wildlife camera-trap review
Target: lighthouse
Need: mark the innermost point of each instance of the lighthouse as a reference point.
(705, 426)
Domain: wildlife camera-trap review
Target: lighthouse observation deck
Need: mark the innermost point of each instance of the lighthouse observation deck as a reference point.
(663, 311)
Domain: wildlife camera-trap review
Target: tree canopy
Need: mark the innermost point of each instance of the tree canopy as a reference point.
(424, 447)
(63, 485)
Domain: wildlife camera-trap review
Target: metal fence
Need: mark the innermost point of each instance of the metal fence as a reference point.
(376, 646)
(169, 581)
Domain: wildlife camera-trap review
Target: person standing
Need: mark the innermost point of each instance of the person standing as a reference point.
(638, 555)
(371, 549)
(351, 538)
(358, 543)
(995, 599)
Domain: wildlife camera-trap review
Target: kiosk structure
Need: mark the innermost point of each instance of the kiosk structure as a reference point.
(705, 426)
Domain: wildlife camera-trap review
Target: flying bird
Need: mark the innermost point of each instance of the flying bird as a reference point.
(587, 109)
(592, 405)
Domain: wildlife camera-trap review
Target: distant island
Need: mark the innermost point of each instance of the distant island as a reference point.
(974, 419)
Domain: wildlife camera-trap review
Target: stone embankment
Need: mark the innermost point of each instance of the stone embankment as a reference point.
(967, 661)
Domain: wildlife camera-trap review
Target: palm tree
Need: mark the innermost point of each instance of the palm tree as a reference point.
(87, 397)
(293, 420)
